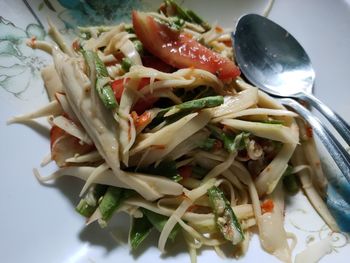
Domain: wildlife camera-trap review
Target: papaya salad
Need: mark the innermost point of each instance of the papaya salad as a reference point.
(156, 119)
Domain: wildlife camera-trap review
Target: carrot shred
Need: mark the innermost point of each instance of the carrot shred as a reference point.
(309, 131)
(227, 43)
(142, 120)
(158, 146)
(219, 29)
(267, 206)
(76, 45)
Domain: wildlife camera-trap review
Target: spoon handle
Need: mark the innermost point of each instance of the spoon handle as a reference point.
(334, 147)
(338, 122)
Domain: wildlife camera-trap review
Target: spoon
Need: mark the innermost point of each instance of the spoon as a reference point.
(273, 60)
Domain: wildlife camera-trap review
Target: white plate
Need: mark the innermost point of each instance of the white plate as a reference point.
(39, 224)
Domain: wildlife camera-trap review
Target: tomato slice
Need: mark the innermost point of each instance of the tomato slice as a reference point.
(185, 171)
(55, 133)
(64, 146)
(154, 62)
(118, 88)
(142, 104)
(180, 50)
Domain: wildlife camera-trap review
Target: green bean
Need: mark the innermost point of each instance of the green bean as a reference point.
(207, 102)
(89, 203)
(102, 85)
(166, 168)
(138, 46)
(111, 201)
(126, 64)
(159, 221)
(290, 181)
(180, 12)
(231, 143)
(225, 218)
(207, 144)
(187, 15)
(140, 229)
(198, 20)
(241, 141)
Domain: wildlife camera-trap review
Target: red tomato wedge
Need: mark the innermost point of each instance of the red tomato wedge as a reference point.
(154, 62)
(142, 104)
(118, 88)
(64, 146)
(180, 50)
(185, 171)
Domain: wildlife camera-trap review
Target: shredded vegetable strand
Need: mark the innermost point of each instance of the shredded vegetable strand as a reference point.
(98, 171)
(178, 213)
(52, 108)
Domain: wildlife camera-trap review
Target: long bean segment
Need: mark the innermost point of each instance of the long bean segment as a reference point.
(290, 181)
(140, 229)
(159, 221)
(225, 218)
(231, 143)
(89, 203)
(102, 85)
(111, 201)
(206, 102)
(186, 14)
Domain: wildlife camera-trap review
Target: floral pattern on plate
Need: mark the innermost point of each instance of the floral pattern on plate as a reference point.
(18, 63)
(91, 12)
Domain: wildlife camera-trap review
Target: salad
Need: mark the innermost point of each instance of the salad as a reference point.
(157, 120)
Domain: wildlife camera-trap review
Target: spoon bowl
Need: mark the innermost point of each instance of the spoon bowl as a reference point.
(271, 58)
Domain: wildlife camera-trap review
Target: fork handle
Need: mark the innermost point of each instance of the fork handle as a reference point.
(334, 147)
(338, 122)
